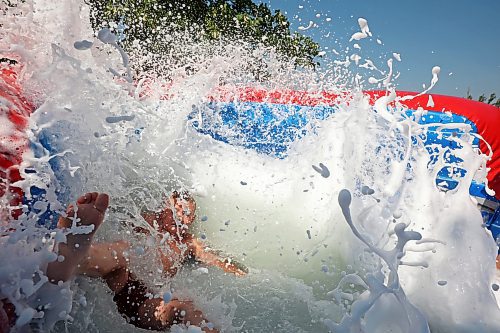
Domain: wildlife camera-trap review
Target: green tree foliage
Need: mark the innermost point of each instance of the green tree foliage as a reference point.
(151, 21)
(492, 99)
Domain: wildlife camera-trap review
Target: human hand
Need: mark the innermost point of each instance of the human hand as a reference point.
(235, 267)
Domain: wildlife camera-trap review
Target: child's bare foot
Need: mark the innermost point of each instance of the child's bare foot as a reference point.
(90, 210)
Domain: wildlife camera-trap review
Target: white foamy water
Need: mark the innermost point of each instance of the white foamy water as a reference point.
(361, 242)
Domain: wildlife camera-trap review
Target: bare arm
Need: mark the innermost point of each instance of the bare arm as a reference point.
(211, 258)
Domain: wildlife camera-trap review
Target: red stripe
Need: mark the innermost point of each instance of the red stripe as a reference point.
(17, 110)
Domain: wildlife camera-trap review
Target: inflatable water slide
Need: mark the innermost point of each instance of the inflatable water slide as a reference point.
(267, 121)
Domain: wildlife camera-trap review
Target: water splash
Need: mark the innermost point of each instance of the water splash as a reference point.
(94, 132)
(359, 319)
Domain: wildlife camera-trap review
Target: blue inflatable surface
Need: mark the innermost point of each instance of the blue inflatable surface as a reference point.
(269, 129)
(266, 128)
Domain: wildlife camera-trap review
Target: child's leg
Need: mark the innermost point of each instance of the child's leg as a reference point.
(107, 261)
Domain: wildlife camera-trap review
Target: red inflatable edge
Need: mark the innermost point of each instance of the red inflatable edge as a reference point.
(17, 110)
(485, 117)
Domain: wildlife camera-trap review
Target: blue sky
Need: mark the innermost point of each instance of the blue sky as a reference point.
(460, 36)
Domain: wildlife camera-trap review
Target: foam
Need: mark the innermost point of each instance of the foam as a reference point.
(306, 244)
